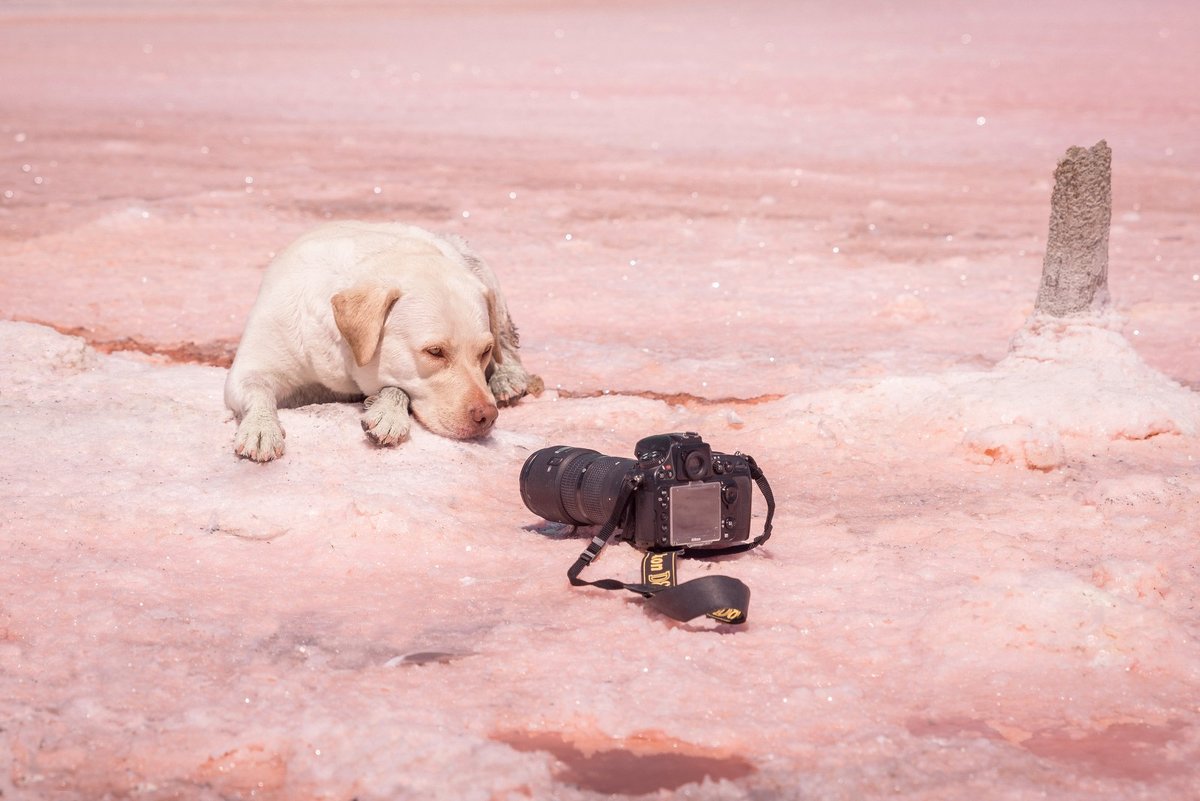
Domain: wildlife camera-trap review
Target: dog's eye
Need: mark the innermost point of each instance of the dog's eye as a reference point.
(486, 353)
(436, 352)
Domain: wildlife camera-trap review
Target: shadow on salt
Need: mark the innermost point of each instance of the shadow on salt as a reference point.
(646, 762)
(1137, 751)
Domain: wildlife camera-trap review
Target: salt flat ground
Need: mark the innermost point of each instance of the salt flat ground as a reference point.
(812, 232)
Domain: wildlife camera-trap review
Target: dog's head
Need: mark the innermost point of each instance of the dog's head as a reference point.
(434, 337)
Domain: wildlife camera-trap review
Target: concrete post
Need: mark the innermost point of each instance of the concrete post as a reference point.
(1075, 269)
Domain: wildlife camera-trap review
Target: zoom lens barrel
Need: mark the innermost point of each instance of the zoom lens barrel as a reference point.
(573, 485)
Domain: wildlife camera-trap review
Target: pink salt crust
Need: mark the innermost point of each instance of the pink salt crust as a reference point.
(813, 234)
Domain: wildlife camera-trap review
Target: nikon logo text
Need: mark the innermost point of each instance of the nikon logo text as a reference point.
(659, 570)
(728, 615)
(660, 576)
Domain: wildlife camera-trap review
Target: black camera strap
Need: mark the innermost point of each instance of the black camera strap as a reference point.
(720, 598)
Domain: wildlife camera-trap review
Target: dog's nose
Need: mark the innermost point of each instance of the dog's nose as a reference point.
(484, 415)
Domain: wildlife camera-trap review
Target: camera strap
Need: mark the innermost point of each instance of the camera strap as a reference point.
(720, 598)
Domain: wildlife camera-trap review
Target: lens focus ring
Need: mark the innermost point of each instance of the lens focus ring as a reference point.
(568, 484)
(598, 493)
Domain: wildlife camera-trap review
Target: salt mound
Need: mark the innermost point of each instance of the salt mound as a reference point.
(1029, 446)
(1063, 377)
(1079, 375)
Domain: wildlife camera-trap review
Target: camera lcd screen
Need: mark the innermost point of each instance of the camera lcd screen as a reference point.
(695, 513)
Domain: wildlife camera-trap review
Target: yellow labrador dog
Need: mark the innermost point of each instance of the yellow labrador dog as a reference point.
(406, 319)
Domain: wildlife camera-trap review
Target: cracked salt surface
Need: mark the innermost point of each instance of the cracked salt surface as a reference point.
(981, 581)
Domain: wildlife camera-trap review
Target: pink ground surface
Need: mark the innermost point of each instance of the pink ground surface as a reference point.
(811, 232)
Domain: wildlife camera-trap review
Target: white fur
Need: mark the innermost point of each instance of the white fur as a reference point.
(295, 348)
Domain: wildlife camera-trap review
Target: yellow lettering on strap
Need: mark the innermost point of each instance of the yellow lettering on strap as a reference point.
(659, 569)
(727, 615)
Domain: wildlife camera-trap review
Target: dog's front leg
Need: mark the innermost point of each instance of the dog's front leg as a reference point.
(259, 434)
(509, 382)
(385, 418)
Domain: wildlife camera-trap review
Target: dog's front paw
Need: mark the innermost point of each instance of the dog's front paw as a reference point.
(385, 418)
(259, 436)
(509, 383)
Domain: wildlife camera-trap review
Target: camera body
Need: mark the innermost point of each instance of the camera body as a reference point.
(690, 496)
(686, 496)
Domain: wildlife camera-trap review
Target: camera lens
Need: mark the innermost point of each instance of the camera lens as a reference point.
(573, 485)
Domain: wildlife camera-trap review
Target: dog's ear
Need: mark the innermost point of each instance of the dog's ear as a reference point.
(359, 313)
(494, 323)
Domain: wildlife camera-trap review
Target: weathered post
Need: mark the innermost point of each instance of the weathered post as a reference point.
(1075, 269)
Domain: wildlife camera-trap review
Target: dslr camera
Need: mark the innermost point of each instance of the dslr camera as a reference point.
(684, 495)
